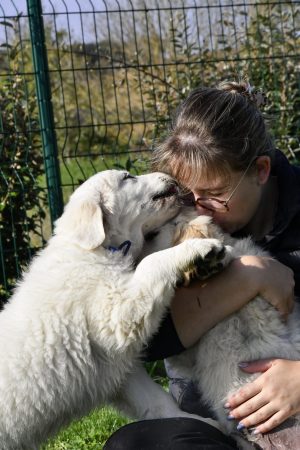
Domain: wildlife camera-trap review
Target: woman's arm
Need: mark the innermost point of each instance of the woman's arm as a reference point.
(198, 308)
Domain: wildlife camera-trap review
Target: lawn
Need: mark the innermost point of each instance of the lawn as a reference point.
(89, 433)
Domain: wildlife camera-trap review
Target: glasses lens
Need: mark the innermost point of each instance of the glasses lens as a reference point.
(211, 204)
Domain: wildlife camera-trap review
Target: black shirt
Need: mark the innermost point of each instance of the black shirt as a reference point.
(283, 243)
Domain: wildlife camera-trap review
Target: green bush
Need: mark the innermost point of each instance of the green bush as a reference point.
(265, 55)
(22, 200)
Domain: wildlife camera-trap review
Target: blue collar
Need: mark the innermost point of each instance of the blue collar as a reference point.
(125, 246)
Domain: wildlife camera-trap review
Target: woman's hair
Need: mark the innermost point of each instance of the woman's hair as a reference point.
(214, 131)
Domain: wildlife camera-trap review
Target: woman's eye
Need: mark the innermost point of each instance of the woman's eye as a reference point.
(215, 194)
(127, 176)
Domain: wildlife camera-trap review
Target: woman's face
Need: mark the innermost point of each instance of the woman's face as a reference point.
(246, 190)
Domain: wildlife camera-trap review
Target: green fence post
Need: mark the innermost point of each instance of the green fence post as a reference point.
(43, 91)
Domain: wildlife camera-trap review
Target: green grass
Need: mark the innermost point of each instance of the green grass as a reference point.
(89, 433)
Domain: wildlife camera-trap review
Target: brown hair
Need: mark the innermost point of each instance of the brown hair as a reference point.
(214, 131)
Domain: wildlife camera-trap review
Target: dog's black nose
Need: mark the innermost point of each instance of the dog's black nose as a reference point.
(187, 199)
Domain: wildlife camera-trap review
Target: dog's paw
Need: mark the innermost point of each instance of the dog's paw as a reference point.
(207, 260)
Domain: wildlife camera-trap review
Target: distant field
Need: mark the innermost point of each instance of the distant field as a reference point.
(79, 169)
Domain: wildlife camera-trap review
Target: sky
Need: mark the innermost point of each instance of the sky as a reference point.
(83, 26)
(88, 26)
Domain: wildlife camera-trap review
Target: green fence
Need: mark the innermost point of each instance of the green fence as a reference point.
(90, 85)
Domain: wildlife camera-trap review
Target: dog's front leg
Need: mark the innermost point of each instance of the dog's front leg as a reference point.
(158, 274)
(142, 398)
(138, 309)
(152, 287)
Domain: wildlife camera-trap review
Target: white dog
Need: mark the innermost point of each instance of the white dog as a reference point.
(255, 332)
(78, 320)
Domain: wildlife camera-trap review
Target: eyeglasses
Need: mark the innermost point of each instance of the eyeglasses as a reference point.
(214, 204)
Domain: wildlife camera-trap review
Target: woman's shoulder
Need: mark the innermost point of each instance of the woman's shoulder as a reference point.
(283, 168)
(288, 182)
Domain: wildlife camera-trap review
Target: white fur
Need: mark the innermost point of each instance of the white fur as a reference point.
(77, 322)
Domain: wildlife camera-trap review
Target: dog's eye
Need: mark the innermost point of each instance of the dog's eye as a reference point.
(127, 175)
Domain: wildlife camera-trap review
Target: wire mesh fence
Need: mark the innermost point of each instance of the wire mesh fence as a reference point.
(115, 72)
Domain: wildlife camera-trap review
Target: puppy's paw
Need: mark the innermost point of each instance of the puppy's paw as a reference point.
(207, 262)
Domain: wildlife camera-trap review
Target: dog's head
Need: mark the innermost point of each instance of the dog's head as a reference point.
(114, 206)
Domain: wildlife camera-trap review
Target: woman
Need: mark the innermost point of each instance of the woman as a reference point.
(218, 148)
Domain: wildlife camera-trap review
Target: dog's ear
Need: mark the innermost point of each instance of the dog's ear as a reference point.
(82, 224)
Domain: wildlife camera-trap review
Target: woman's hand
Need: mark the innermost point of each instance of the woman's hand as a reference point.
(271, 280)
(271, 398)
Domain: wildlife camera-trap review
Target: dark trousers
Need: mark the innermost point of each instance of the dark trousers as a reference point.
(169, 434)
